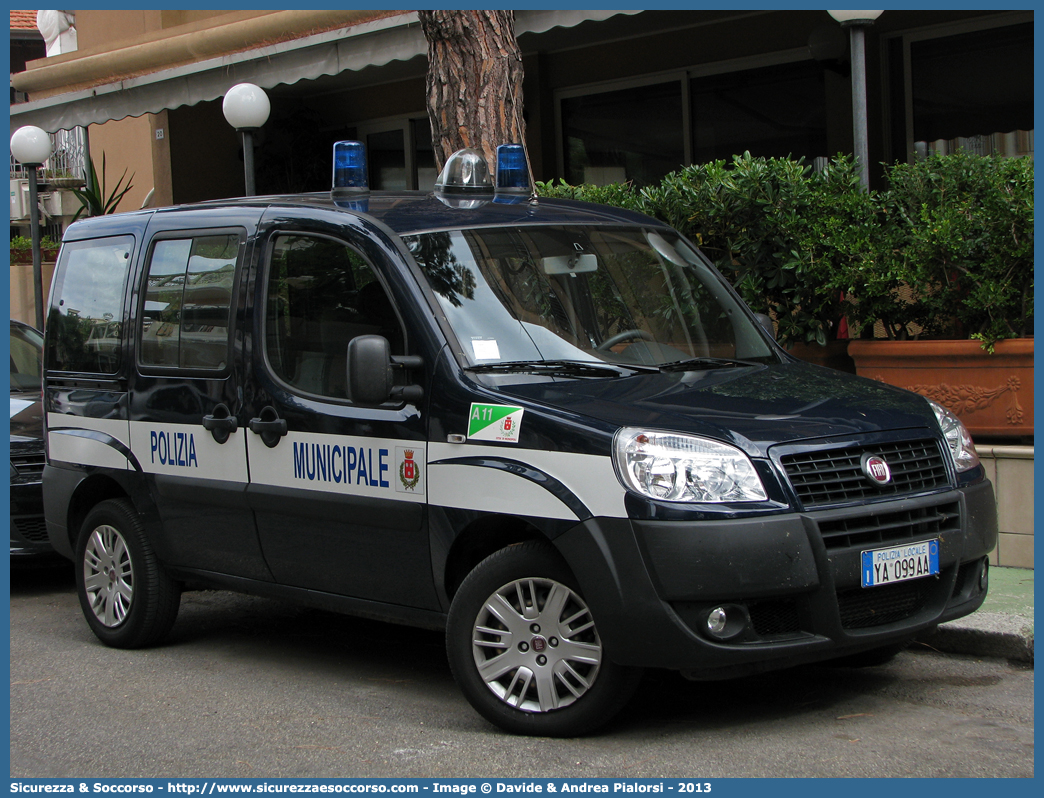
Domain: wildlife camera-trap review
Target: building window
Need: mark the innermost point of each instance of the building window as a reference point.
(775, 111)
(641, 133)
(633, 134)
(974, 91)
(400, 154)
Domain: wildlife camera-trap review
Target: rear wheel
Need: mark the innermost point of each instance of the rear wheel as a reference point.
(525, 650)
(126, 597)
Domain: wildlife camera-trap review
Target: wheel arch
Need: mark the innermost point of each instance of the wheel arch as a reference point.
(482, 537)
(90, 492)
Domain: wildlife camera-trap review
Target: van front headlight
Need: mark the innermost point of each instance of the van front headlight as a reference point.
(684, 468)
(962, 450)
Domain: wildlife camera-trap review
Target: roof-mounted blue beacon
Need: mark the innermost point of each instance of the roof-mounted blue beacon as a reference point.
(350, 179)
(512, 169)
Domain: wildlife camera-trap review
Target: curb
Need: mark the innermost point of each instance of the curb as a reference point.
(985, 634)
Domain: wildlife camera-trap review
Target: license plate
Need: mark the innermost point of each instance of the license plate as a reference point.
(900, 563)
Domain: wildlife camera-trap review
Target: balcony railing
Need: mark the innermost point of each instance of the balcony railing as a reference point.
(68, 156)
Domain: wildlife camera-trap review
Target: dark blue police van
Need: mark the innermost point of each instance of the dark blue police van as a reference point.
(548, 427)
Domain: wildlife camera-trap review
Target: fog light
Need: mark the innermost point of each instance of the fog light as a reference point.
(725, 622)
(717, 620)
(984, 578)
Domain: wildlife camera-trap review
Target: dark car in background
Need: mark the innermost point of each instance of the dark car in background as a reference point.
(28, 530)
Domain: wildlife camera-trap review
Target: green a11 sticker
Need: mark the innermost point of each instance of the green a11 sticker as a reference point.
(494, 423)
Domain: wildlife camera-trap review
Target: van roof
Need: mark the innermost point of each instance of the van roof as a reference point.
(408, 212)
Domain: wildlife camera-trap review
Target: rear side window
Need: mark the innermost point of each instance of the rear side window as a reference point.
(321, 294)
(85, 325)
(187, 302)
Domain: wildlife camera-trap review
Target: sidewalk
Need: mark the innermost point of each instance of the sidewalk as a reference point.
(1002, 627)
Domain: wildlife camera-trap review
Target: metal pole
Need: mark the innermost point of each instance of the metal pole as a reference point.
(859, 121)
(34, 232)
(248, 161)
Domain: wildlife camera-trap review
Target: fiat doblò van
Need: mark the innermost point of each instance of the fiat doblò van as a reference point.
(550, 428)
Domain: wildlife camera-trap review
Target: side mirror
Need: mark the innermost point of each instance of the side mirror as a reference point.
(370, 376)
(766, 321)
(369, 370)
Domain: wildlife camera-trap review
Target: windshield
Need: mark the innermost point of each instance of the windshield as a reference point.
(625, 296)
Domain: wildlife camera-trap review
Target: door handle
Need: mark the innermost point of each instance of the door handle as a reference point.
(221, 423)
(269, 426)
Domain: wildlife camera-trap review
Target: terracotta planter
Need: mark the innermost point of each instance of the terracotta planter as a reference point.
(992, 394)
(834, 355)
(26, 255)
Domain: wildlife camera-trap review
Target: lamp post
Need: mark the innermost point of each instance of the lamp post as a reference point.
(857, 22)
(31, 146)
(246, 108)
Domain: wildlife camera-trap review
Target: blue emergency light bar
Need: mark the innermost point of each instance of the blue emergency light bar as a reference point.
(512, 169)
(349, 168)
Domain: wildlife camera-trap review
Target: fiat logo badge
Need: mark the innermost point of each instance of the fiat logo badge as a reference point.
(876, 469)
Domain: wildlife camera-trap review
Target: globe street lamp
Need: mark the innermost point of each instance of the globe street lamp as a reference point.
(857, 22)
(31, 146)
(246, 108)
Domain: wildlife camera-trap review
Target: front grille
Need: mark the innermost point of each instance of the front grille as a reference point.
(863, 608)
(28, 463)
(774, 617)
(31, 528)
(835, 476)
(871, 529)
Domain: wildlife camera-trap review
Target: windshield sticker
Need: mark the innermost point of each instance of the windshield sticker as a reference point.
(495, 423)
(485, 349)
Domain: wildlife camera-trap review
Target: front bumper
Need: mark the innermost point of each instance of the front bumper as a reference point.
(793, 579)
(28, 528)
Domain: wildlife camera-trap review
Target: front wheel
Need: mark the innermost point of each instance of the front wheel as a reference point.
(126, 597)
(525, 650)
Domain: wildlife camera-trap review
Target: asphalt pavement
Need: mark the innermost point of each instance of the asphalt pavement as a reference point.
(1001, 627)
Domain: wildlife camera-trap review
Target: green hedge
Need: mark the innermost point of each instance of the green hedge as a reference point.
(954, 234)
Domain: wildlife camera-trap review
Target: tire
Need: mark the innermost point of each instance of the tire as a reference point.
(126, 597)
(524, 648)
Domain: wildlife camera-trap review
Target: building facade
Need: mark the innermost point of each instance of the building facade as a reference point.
(611, 95)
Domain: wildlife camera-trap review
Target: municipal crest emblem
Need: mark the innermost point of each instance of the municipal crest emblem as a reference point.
(409, 473)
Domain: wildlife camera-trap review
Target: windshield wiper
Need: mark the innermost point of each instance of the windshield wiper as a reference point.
(699, 363)
(569, 368)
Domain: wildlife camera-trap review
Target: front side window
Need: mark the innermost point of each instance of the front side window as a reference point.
(188, 299)
(321, 294)
(85, 324)
(583, 295)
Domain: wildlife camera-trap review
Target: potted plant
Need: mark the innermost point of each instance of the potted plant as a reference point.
(950, 292)
(93, 199)
(62, 178)
(22, 249)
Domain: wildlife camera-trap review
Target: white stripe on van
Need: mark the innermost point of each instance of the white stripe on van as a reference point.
(591, 478)
(65, 446)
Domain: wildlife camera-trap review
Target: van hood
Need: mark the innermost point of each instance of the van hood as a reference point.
(753, 407)
(26, 416)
